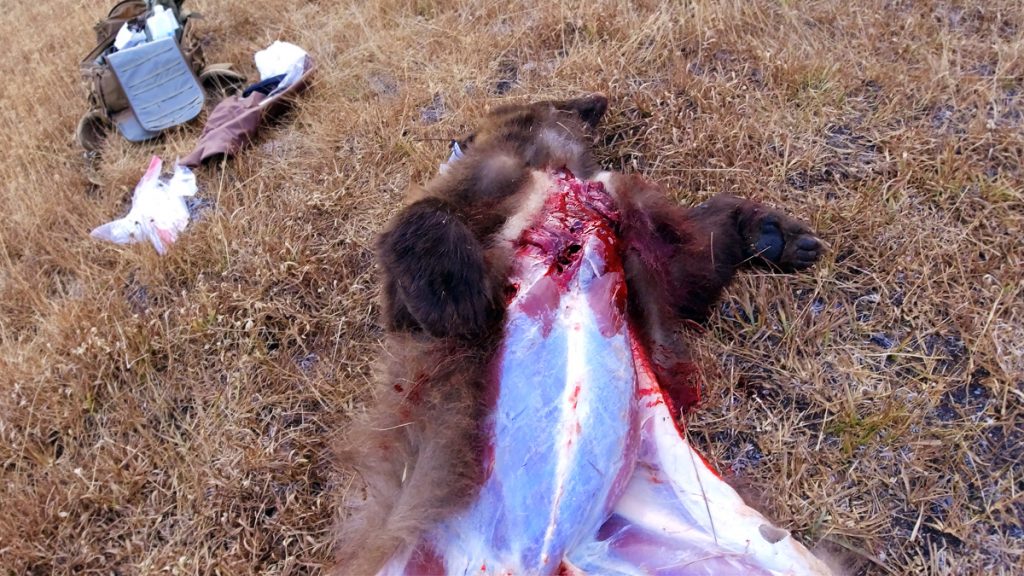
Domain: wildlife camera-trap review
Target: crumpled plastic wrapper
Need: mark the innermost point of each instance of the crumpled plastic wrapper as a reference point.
(158, 213)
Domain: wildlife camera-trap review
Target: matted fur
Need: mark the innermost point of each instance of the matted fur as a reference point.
(417, 448)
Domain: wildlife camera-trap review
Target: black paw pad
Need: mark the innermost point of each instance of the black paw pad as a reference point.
(769, 243)
(806, 251)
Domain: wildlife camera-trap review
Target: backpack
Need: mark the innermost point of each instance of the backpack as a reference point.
(121, 86)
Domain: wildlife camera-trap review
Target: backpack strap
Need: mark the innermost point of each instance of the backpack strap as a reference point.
(92, 129)
(221, 79)
(122, 12)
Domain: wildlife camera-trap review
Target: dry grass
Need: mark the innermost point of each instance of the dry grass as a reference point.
(172, 415)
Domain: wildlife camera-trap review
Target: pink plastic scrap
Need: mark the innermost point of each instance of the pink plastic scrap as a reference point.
(588, 471)
(158, 211)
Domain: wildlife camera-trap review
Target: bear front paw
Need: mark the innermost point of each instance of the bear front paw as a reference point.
(786, 242)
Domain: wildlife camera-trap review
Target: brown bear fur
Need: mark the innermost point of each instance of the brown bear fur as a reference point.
(418, 447)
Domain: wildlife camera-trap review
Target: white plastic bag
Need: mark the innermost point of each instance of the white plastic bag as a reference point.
(281, 58)
(158, 212)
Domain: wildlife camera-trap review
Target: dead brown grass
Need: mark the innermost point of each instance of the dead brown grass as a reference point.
(173, 414)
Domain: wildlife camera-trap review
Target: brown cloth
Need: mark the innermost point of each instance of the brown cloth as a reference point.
(236, 120)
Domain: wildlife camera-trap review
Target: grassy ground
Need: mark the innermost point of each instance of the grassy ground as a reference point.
(174, 415)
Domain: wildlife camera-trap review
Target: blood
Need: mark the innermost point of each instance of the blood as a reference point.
(413, 398)
(707, 464)
(573, 211)
(648, 371)
(540, 302)
(683, 385)
(511, 291)
(425, 560)
(578, 224)
(575, 244)
(607, 298)
(574, 398)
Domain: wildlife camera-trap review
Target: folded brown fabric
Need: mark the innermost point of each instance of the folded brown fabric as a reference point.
(231, 125)
(236, 120)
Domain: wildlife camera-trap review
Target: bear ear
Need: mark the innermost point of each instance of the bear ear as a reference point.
(590, 108)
